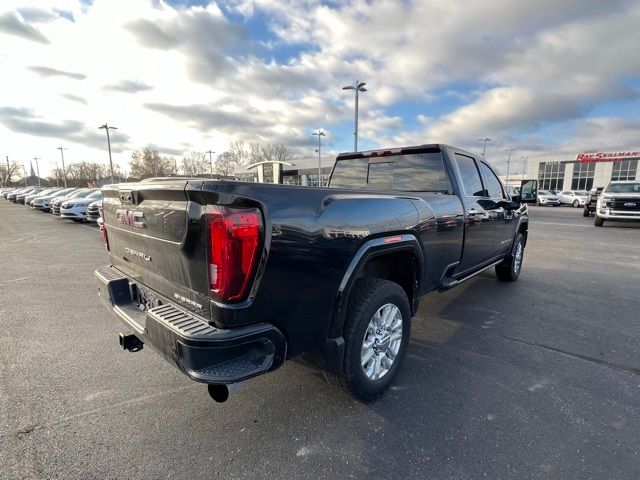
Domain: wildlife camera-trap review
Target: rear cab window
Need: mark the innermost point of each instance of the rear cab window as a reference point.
(403, 172)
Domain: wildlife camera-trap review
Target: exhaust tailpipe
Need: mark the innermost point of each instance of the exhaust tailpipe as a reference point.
(221, 392)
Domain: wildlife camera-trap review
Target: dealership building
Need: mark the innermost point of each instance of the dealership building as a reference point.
(586, 171)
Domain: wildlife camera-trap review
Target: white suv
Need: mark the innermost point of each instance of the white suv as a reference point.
(545, 197)
(577, 198)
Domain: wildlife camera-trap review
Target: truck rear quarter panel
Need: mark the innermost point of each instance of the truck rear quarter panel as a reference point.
(313, 235)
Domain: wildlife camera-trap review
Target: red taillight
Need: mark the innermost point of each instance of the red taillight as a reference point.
(234, 239)
(105, 238)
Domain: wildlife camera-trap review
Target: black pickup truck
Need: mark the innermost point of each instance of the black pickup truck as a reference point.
(227, 280)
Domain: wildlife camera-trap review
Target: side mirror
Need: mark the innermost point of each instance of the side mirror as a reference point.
(528, 191)
(514, 204)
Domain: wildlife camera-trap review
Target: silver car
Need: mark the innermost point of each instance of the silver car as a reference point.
(575, 198)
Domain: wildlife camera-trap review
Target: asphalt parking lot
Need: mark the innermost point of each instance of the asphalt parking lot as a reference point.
(536, 379)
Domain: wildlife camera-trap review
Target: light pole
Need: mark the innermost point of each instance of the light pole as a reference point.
(64, 172)
(210, 152)
(357, 87)
(509, 150)
(524, 165)
(37, 170)
(320, 133)
(24, 169)
(107, 128)
(8, 171)
(484, 141)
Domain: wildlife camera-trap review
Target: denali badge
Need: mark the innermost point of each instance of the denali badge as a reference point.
(130, 217)
(136, 253)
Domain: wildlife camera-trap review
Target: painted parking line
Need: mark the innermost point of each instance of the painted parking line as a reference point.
(561, 224)
(93, 229)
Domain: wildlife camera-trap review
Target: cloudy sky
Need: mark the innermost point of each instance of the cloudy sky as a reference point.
(549, 78)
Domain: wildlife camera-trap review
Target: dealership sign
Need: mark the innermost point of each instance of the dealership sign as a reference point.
(605, 157)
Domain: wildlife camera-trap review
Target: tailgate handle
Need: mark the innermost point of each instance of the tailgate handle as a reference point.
(125, 196)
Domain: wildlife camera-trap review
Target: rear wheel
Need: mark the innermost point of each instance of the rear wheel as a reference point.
(510, 271)
(576, 203)
(597, 221)
(376, 335)
(585, 211)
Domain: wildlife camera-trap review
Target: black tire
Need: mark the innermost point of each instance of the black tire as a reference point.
(510, 271)
(367, 297)
(576, 204)
(537, 202)
(597, 221)
(585, 211)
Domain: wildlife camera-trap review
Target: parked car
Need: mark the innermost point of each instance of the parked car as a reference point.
(76, 208)
(29, 198)
(546, 198)
(12, 197)
(9, 191)
(592, 200)
(227, 281)
(575, 198)
(43, 202)
(618, 201)
(58, 201)
(94, 210)
(4, 191)
(21, 198)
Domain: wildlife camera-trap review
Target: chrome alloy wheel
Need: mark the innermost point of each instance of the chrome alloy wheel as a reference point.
(517, 258)
(381, 341)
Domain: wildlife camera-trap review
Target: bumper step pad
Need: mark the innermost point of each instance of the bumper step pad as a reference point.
(205, 353)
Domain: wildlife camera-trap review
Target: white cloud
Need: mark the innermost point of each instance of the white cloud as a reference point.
(524, 73)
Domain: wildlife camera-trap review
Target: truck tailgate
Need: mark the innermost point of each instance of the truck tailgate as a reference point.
(155, 237)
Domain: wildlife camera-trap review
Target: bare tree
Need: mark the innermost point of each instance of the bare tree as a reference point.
(9, 172)
(195, 163)
(148, 163)
(226, 164)
(82, 174)
(239, 152)
(277, 152)
(56, 176)
(256, 153)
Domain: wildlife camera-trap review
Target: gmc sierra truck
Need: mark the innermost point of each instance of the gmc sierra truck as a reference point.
(227, 280)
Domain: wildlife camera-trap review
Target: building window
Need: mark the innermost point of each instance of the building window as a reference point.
(583, 176)
(551, 175)
(624, 170)
(292, 180)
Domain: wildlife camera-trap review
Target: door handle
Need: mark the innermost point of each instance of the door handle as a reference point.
(472, 212)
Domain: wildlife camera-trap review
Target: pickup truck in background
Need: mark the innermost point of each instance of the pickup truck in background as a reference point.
(592, 200)
(618, 201)
(227, 280)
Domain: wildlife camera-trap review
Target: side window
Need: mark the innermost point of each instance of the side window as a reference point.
(470, 176)
(491, 181)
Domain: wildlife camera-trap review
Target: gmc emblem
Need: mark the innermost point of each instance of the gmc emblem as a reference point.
(130, 217)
